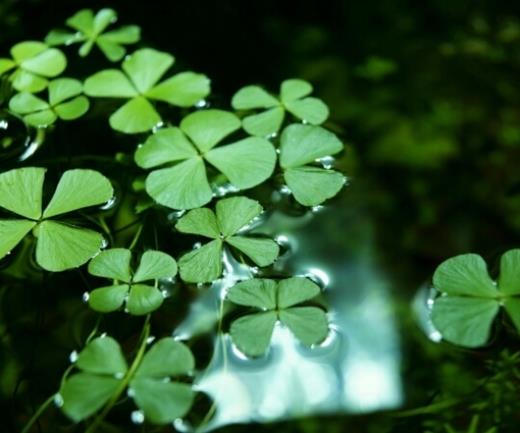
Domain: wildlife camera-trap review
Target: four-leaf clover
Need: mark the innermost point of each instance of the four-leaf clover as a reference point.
(59, 245)
(183, 184)
(65, 102)
(128, 287)
(293, 98)
(204, 264)
(89, 31)
(470, 299)
(104, 374)
(138, 82)
(276, 302)
(33, 62)
(300, 146)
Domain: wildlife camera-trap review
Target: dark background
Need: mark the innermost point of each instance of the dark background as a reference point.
(425, 94)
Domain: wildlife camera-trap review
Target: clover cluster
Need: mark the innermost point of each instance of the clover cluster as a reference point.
(262, 138)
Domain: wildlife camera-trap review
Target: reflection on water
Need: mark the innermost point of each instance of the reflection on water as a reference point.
(355, 370)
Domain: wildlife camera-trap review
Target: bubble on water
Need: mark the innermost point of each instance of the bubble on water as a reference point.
(58, 400)
(85, 297)
(73, 357)
(137, 416)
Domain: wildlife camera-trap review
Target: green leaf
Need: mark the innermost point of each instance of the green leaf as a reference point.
(21, 191)
(146, 66)
(73, 109)
(253, 97)
(84, 394)
(296, 290)
(25, 102)
(41, 118)
(509, 279)
(259, 293)
(6, 65)
(465, 274)
(62, 89)
(25, 81)
(113, 263)
(110, 83)
(77, 189)
(102, 356)
(122, 35)
(512, 306)
(308, 324)
(137, 115)
(62, 37)
(107, 299)
(208, 127)
(311, 186)
(252, 333)
(103, 19)
(183, 186)
(62, 247)
(113, 51)
(155, 265)
(11, 233)
(236, 212)
(464, 321)
(262, 252)
(264, 124)
(201, 221)
(49, 63)
(27, 50)
(166, 145)
(245, 163)
(293, 89)
(311, 110)
(202, 265)
(161, 402)
(166, 358)
(183, 89)
(83, 21)
(143, 299)
(303, 144)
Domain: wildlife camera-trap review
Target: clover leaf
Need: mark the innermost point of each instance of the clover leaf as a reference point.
(90, 31)
(138, 82)
(232, 214)
(470, 299)
(104, 374)
(128, 287)
(59, 245)
(31, 64)
(277, 302)
(65, 102)
(293, 98)
(302, 145)
(183, 183)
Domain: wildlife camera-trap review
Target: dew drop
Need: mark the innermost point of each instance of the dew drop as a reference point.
(201, 104)
(85, 297)
(104, 244)
(150, 339)
(197, 245)
(165, 293)
(130, 392)
(285, 190)
(272, 137)
(182, 426)
(119, 375)
(319, 276)
(103, 335)
(157, 127)
(58, 400)
(318, 208)
(137, 416)
(73, 357)
(109, 204)
(327, 162)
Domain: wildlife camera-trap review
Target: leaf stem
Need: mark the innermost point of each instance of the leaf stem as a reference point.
(43, 407)
(136, 237)
(126, 380)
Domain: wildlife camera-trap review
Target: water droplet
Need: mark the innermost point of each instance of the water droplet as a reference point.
(137, 416)
(103, 335)
(109, 204)
(58, 400)
(319, 276)
(130, 392)
(201, 104)
(85, 297)
(4, 124)
(73, 357)
(224, 189)
(104, 244)
(174, 216)
(182, 426)
(317, 208)
(254, 269)
(285, 190)
(150, 339)
(165, 293)
(272, 137)
(157, 127)
(305, 122)
(119, 375)
(327, 162)
(197, 245)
